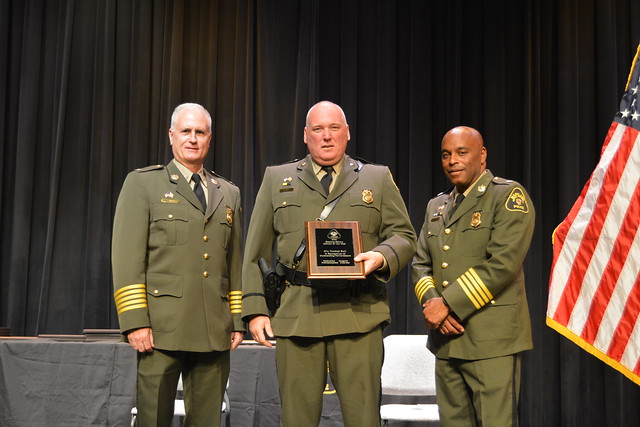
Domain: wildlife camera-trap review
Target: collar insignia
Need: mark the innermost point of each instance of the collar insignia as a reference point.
(482, 188)
(174, 177)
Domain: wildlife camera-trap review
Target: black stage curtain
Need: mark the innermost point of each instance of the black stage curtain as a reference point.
(87, 88)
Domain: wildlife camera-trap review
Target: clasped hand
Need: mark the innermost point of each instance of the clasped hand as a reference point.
(438, 316)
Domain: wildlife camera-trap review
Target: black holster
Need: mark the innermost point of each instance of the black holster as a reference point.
(273, 286)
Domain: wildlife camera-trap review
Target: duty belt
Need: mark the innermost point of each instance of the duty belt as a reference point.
(299, 278)
(293, 277)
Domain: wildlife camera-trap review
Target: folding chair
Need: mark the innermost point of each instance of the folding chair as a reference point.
(179, 409)
(408, 370)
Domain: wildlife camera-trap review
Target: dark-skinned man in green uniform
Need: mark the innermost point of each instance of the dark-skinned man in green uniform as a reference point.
(177, 261)
(340, 325)
(469, 278)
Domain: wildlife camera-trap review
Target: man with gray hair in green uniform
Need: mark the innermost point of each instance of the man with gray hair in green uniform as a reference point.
(469, 279)
(177, 260)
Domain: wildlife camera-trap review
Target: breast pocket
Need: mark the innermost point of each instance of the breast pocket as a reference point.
(287, 212)
(434, 226)
(477, 233)
(169, 224)
(223, 219)
(366, 209)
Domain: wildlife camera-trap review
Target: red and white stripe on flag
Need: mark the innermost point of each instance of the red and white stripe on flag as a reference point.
(594, 286)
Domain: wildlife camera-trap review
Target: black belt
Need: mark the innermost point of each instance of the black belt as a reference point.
(299, 278)
(294, 277)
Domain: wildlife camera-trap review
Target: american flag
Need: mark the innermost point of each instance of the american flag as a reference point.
(594, 286)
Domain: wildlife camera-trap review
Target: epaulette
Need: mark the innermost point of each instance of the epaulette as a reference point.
(286, 163)
(150, 168)
(501, 181)
(222, 177)
(447, 191)
(364, 161)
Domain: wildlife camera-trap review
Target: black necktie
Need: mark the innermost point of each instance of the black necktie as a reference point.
(197, 188)
(326, 180)
(459, 199)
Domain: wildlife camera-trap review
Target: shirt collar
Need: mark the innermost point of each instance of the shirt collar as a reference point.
(336, 168)
(187, 173)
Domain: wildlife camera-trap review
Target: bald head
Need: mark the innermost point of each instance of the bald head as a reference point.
(464, 157)
(326, 133)
(464, 132)
(324, 105)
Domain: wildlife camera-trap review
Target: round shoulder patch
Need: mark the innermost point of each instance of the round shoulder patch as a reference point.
(517, 201)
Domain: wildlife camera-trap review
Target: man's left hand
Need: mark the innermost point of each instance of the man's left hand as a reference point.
(372, 261)
(451, 326)
(236, 339)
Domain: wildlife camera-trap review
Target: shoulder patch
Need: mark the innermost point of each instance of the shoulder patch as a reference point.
(517, 201)
(501, 181)
(150, 168)
(392, 180)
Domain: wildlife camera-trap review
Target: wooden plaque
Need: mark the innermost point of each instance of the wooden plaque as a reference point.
(331, 247)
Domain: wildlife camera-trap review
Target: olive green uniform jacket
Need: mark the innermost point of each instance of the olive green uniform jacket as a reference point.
(291, 194)
(176, 268)
(474, 260)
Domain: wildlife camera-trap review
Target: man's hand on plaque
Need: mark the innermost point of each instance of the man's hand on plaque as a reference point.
(372, 261)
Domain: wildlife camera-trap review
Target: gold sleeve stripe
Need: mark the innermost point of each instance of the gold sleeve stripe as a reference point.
(464, 284)
(480, 286)
(235, 302)
(131, 297)
(473, 288)
(132, 307)
(422, 286)
(131, 304)
(128, 288)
